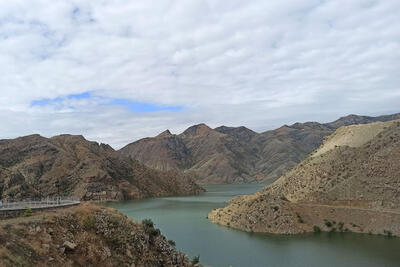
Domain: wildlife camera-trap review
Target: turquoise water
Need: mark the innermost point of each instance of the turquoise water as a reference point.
(183, 219)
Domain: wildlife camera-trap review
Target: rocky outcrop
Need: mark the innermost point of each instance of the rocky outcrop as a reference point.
(69, 165)
(237, 154)
(351, 183)
(86, 235)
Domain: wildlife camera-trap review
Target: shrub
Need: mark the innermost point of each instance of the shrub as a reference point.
(275, 208)
(196, 259)
(328, 223)
(316, 229)
(28, 212)
(148, 223)
(114, 219)
(299, 219)
(149, 227)
(388, 233)
(172, 243)
(89, 223)
(151, 231)
(340, 225)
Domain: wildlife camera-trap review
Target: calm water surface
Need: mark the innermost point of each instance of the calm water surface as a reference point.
(183, 219)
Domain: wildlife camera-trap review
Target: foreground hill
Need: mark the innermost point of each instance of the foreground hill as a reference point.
(86, 235)
(351, 183)
(35, 166)
(237, 154)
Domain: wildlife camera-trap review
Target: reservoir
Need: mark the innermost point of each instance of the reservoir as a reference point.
(183, 219)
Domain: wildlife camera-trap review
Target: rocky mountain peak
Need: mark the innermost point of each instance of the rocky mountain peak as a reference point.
(166, 133)
(199, 129)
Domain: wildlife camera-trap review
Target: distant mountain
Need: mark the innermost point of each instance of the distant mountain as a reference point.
(351, 183)
(209, 155)
(35, 166)
(237, 154)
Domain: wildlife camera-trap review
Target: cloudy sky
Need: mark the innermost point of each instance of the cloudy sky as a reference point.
(116, 70)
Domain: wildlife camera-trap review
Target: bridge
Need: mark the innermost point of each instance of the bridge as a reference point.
(15, 208)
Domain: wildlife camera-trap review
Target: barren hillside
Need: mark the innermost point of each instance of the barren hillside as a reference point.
(35, 166)
(351, 182)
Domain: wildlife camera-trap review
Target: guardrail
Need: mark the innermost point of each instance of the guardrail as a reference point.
(38, 204)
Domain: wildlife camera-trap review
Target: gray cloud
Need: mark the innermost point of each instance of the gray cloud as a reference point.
(254, 63)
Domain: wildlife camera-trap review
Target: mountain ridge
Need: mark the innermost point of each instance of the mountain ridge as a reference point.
(237, 154)
(34, 166)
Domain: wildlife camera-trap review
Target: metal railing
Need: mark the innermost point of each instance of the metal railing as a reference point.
(38, 203)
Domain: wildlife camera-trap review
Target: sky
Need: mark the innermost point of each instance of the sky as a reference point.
(116, 71)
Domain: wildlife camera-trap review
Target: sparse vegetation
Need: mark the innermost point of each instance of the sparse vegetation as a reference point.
(28, 212)
(316, 229)
(148, 223)
(196, 259)
(328, 223)
(149, 227)
(299, 219)
(89, 223)
(387, 233)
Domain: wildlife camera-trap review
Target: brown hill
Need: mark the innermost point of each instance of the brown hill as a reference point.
(351, 182)
(86, 235)
(237, 154)
(35, 166)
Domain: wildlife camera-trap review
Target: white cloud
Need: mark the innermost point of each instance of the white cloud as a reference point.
(254, 63)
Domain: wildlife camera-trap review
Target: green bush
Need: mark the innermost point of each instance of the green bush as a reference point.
(328, 223)
(299, 219)
(172, 243)
(89, 223)
(340, 225)
(388, 233)
(148, 223)
(316, 229)
(196, 259)
(28, 212)
(149, 227)
(151, 231)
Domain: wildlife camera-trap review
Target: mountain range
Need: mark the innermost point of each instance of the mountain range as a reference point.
(237, 154)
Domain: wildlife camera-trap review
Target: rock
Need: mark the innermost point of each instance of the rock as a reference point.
(69, 245)
(128, 253)
(107, 251)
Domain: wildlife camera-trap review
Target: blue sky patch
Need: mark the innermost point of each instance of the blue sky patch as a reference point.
(141, 107)
(46, 101)
(133, 106)
(84, 95)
